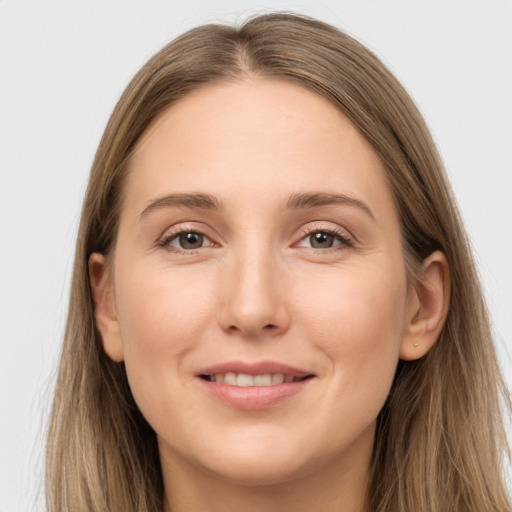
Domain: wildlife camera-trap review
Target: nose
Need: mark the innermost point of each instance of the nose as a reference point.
(254, 297)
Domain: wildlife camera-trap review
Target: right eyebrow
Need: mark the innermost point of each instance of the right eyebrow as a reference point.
(192, 200)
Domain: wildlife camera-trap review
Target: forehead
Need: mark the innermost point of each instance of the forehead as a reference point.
(272, 138)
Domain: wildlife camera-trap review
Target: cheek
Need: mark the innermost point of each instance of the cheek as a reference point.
(163, 316)
(359, 325)
(159, 307)
(363, 307)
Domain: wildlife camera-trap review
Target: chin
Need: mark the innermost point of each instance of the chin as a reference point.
(259, 472)
(256, 464)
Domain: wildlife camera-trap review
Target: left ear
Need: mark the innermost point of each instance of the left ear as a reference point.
(427, 308)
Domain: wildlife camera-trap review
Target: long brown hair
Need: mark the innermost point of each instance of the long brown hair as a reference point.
(440, 438)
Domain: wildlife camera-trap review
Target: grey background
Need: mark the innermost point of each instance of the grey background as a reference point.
(64, 64)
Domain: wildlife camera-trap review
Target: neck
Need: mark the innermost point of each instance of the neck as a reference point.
(338, 485)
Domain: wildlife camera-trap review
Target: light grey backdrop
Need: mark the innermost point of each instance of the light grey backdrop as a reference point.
(64, 64)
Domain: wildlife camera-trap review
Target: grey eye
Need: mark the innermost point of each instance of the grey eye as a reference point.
(188, 240)
(321, 240)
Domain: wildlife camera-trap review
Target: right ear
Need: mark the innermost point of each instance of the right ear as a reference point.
(104, 307)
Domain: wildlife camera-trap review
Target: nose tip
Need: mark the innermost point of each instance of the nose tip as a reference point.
(252, 326)
(255, 315)
(254, 304)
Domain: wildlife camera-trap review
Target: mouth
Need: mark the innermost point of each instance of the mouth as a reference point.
(253, 386)
(244, 380)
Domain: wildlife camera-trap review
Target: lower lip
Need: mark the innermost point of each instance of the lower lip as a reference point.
(254, 397)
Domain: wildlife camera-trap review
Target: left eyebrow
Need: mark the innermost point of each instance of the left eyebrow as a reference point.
(194, 200)
(316, 199)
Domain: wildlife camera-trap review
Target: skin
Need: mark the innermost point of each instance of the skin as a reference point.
(257, 290)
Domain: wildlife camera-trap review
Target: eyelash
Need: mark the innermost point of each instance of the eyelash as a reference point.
(169, 237)
(346, 240)
(341, 236)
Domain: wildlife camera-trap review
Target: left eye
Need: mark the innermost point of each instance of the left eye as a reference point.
(188, 240)
(322, 240)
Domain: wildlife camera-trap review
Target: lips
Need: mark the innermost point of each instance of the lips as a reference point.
(246, 380)
(253, 385)
(258, 368)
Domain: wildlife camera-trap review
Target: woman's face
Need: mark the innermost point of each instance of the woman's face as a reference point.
(259, 287)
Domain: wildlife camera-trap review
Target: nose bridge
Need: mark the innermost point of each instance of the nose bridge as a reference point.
(255, 304)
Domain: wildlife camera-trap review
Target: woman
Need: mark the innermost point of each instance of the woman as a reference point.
(274, 306)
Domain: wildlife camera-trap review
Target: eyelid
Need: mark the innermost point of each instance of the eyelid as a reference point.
(173, 232)
(342, 234)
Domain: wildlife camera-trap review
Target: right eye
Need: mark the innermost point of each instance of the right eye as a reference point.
(187, 240)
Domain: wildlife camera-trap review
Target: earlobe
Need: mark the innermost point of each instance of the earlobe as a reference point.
(428, 305)
(104, 307)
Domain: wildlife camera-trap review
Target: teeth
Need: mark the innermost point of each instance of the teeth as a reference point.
(263, 380)
(277, 378)
(246, 380)
(229, 378)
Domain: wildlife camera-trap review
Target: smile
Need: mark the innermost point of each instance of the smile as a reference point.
(260, 385)
(246, 380)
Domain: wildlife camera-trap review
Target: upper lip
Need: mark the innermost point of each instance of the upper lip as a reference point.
(256, 368)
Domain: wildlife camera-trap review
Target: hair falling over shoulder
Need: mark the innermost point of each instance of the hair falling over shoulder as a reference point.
(440, 443)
